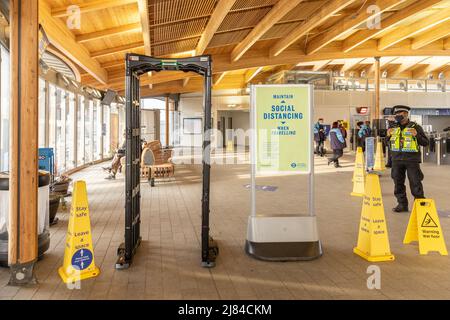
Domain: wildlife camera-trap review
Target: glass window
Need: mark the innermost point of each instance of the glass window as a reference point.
(122, 122)
(114, 128)
(70, 138)
(80, 131)
(42, 113)
(89, 106)
(60, 157)
(52, 116)
(106, 131)
(96, 133)
(4, 110)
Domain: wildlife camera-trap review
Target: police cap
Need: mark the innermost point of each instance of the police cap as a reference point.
(400, 108)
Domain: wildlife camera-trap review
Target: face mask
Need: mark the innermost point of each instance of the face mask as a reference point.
(399, 118)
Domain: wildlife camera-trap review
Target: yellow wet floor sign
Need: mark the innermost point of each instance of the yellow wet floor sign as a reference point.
(424, 226)
(373, 241)
(358, 174)
(79, 263)
(379, 158)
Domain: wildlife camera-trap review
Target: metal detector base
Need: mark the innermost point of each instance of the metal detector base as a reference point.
(283, 238)
(122, 262)
(213, 252)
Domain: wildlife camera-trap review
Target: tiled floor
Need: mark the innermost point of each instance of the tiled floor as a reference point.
(167, 265)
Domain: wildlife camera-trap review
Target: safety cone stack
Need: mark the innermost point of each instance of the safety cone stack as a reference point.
(358, 174)
(373, 241)
(379, 158)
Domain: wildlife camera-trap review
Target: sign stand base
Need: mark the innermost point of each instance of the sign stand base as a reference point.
(373, 258)
(77, 276)
(283, 238)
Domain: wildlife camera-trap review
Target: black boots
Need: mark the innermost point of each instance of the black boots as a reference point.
(399, 208)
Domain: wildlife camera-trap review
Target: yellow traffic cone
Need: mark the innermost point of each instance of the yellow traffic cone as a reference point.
(79, 263)
(358, 174)
(373, 241)
(424, 226)
(379, 158)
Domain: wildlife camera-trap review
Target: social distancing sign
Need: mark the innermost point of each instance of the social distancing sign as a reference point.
(79, 263)
(424, 226)
(358, 174)
(373, 241)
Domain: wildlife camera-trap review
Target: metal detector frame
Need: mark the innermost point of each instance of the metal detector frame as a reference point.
(137, 65)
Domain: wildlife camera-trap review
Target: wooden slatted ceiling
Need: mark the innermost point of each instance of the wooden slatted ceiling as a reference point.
(176, 26)
(165, 11)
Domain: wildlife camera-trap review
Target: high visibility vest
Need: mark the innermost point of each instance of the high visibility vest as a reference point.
(403, 140)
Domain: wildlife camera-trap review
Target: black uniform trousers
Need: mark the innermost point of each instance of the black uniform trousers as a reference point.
(415, 177)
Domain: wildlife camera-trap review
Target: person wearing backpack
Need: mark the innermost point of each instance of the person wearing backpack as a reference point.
(363, 133)
(337, 143)
(319, 137)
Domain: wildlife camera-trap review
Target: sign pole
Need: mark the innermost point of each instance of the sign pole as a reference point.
(311, 156)
(253, 151)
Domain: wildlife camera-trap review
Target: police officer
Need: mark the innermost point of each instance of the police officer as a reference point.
(405, 138)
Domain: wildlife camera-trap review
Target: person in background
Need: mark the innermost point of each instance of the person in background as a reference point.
(115, 164)
(405, 139)
(363, 133)
(337, 143)
(344, 132)
(319, 137)
(391, 124)
(369, 129)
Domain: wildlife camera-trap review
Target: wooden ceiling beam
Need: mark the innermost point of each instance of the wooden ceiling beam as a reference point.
(92, 6)
(62, 39)
(145, 25)
(317, 18)
(218, 78)
(319, 65)
(221, 10)
(108, 32)
(113, 64)
(435, 64)
(252, 73)
(390, 22)
(270, 19)
(435, 34)
(350, 64)
(407, 65)
(446, 44)
(405, 32)
(109, 51)
(350, 23)
(260, 58)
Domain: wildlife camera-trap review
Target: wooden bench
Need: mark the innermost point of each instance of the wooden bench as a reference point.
(156, 162)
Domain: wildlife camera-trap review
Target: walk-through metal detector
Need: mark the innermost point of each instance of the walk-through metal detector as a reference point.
(137, 65)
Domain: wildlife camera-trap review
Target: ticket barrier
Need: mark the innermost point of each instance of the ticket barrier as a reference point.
(430, 152)
(444, 148)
